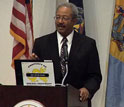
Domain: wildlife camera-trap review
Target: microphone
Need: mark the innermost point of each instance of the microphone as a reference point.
(65, 60)
(65, 52)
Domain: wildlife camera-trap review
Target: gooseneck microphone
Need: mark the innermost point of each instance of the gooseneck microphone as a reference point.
(66, 52)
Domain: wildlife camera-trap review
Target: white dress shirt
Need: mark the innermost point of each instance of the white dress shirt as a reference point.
(69, 42)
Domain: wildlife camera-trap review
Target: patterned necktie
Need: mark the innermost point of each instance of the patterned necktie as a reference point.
(63, 56)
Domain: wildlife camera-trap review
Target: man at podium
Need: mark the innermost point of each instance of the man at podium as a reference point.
(75, 56)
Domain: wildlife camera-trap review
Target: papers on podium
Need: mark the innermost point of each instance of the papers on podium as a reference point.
(38, 73)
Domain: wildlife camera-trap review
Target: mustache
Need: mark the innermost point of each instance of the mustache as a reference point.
(60, 25)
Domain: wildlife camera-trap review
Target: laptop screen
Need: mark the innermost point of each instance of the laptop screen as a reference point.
(34, 73)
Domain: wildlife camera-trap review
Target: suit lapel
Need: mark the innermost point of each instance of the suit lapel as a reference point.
(54, 55)
(75, 45)
(53, 47)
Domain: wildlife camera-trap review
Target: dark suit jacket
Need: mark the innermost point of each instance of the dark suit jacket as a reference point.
(83, 63)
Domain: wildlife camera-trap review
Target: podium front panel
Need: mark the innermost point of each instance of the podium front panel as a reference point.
(48, 96)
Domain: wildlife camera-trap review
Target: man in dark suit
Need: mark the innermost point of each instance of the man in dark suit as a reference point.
(83, 61)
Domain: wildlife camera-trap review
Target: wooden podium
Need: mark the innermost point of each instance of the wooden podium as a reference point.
(48, 96)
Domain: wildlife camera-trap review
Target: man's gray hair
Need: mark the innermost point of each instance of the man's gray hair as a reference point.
(69, 5)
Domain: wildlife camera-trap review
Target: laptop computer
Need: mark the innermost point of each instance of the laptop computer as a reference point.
(34, 73)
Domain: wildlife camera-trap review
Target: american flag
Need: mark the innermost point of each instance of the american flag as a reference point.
(21, 28)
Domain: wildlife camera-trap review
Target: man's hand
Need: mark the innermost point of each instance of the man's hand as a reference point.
(34, 56)
(84, 94)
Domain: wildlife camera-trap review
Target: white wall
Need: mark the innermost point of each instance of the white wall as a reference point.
(98, 18)
(7, 74)
(43, 12)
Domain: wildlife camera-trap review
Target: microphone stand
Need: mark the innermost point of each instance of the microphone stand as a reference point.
(66, 64)
(66, 67)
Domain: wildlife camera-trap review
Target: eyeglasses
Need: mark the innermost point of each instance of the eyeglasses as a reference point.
(64, 18)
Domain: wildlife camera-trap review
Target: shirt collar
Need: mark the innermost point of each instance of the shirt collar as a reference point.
(69, 37)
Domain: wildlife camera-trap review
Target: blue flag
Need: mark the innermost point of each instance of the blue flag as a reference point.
(79, 27)
(115, 82)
